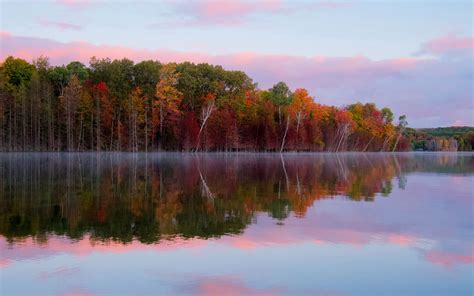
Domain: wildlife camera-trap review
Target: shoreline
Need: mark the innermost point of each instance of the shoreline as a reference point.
(239, 152)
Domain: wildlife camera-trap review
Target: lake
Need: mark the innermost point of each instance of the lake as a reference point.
(236, 224)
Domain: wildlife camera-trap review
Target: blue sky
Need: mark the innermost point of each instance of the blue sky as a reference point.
(247, 35)
(376, 29)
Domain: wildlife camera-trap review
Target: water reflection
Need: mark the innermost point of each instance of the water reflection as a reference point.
(148, 197)
(82, 204)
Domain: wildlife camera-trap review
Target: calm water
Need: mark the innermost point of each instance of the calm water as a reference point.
(301, 224)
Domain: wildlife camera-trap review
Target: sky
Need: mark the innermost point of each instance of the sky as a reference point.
(415, 57)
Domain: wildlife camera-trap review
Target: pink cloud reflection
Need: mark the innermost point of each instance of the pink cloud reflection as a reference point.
(4, 262)
(440, 233)
(29, 248)
(75, 292)
(229, 286)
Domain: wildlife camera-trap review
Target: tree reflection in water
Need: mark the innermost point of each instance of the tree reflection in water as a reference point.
(149, 197)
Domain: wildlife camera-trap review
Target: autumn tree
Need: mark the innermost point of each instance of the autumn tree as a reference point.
(167, 98)
(136, 112)
(120, 105)
(103, 115)
(345, 126)
(300, 107)
(71, 99)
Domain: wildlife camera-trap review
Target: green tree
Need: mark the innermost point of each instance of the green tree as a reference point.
(280, 95)
(16, 75)
(79, 70)
(402, 123)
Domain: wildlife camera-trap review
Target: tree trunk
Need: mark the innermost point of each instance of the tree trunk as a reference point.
(79, 140)
(284, 136)
(98, 126)
(396, 141)
(367, 146)
(161, 128)
(146, 130)
(206, 114)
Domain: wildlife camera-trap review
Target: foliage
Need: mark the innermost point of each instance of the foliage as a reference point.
(120, 105)
(442, 139)
(447, 131)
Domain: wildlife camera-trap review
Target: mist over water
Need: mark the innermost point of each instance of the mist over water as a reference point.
(243, 223)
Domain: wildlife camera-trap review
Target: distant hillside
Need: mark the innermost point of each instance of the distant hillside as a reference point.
(446, 131)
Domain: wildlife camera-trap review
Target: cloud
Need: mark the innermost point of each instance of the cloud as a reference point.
(431, 92)
(60, 25)
(458, 122)
(229, 12)
(75, 3)
(237, 12)
(448, 259)
(5, 34)
(448, 44)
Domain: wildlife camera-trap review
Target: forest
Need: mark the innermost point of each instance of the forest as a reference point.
(460, 138)
(119, 105)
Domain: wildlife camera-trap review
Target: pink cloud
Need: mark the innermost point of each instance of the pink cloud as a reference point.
(448, 259)
(402, 240)
(60, 25)
(74, 3)
(215, 12)
(446, 44)
(236, 12)
(232, 11)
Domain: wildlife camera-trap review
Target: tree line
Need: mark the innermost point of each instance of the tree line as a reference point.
(117, 105)
(454, 138)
